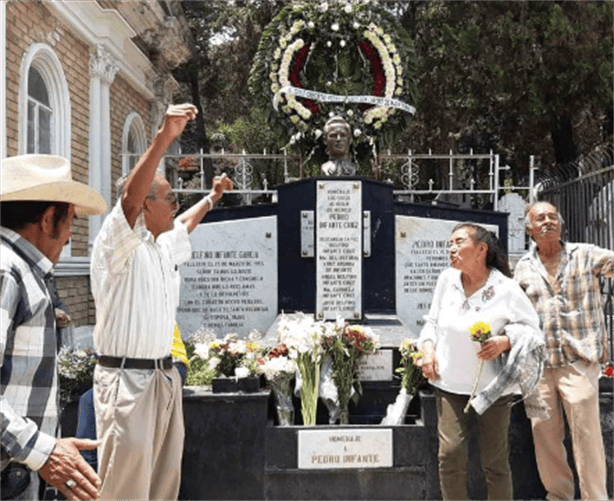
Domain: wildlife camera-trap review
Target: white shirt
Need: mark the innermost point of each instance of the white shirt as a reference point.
(134, 284)
(500, 302)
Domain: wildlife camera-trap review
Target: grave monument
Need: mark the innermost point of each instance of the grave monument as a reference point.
(335, 244)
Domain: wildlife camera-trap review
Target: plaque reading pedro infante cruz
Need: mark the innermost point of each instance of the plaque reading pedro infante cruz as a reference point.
(229, 286)
(422, 253)
(338, 250)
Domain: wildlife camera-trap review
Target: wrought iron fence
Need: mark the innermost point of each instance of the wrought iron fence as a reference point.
(586, 204)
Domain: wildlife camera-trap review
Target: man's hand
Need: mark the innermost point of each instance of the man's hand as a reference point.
(493, 347)
(139, 182)
(219, 185)
(194, 214)
(428, 361)
(176, 118)
(65, 464)
(62, 319)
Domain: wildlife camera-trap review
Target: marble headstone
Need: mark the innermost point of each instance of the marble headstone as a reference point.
(421, 250)
(230, 283)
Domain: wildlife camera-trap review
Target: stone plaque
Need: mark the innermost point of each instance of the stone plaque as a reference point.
(230, 283)
(421, 246)
(339, 250)
(345, 448)
(376, 367)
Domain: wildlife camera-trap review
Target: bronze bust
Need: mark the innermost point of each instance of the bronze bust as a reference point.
(338, 137)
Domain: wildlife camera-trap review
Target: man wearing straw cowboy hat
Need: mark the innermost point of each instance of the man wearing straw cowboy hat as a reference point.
(38, 202)
(135, 283)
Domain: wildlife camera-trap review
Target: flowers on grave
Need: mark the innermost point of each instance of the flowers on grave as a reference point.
(231, 356)
(411, 374)
(411, 380)
(76, 373)
(608, 370)
(347, 345)
(279, 370)
(302, 336)
(479, 332)
(353, 49)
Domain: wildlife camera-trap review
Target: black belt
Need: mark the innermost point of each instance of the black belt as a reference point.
(136, 363)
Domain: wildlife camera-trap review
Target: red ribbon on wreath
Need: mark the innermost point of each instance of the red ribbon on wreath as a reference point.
(299, 60)
(379, 78)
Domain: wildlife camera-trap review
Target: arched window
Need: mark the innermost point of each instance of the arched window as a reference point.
(44, 104)
(134, 141)
(40, 114)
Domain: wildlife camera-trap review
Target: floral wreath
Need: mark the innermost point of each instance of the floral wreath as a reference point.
(349, 58)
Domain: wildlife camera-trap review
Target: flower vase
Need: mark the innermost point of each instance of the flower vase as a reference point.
(283, 400)
(249, 384)
(225, 385)
(395, 413)
(344, 416)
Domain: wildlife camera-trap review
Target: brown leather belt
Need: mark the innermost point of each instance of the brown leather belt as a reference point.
(135, 363)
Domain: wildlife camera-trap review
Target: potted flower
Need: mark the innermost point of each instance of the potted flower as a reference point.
(229, 364)
(76, 373)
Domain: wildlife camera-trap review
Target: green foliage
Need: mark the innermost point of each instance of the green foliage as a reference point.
(317, 46)
(502, 75)
(76, 373)
(199, 373)
(485, 75)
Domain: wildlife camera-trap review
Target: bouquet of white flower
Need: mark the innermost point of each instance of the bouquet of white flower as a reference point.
(302, 336)
(279, 370)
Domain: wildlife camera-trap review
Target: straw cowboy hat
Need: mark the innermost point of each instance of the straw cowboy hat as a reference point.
(47, 178)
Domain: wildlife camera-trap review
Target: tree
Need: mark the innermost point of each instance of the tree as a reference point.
(519, 77)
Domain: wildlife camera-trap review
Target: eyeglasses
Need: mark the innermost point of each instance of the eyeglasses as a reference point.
(170, 199)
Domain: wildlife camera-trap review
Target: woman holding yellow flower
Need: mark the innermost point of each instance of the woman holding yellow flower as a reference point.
(479, 321)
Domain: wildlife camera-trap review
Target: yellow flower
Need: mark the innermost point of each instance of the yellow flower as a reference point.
(417, 355)
(480, 331)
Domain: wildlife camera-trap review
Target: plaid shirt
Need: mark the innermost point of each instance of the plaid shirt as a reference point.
(572, 313)
(29, 405)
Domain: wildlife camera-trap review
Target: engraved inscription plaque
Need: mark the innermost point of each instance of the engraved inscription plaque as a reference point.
(339, 250)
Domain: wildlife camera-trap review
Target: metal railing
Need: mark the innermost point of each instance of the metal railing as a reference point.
(460, 177)
(586, 204)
